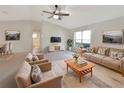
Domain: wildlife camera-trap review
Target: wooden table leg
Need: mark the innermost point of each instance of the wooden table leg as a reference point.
(91, 72)
(67, 67)
(80, 77)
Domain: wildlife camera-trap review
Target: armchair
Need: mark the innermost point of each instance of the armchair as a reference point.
(42, 59)
(50, 80)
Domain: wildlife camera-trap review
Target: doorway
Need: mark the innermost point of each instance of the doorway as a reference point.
(36, 41)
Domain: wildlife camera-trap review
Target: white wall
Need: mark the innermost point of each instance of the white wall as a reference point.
(99, 28)
(25, 42)
(49, 30)
(26, 29)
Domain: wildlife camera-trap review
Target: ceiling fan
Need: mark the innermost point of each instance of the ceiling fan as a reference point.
(57, 14)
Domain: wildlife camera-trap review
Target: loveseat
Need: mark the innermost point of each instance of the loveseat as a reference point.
(109, 57)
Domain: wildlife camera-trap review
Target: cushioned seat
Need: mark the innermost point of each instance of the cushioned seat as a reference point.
(87, 55)
(111, 63)
(96, 58)
(48, 75)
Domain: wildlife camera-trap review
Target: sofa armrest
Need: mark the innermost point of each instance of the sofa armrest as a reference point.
(50, 83)
(38, 61)
(45, 66)
(122, 64)
(40, 56)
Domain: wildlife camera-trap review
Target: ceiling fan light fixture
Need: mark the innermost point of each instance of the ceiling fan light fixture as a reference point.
(55, 16)
(57, 13)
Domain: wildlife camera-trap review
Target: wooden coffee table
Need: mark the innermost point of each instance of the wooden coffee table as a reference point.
(80, 70)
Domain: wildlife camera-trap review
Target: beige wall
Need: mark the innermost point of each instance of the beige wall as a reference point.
(49, 30)
(99, 28)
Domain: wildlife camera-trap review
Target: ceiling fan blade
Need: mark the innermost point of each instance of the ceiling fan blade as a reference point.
(64, 14)
(47, 12)
(50, 17)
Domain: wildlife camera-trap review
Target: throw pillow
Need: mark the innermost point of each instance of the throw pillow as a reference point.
(113, 54)
(36, 74)
(90, 50)
(101, 51)
(122, 59)
(35, 58)
(120, 55)
(29, 56)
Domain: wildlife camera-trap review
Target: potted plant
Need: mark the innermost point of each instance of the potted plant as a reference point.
(70, 44)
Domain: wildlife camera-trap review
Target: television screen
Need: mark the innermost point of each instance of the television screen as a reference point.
(113, 37)
(55, 39)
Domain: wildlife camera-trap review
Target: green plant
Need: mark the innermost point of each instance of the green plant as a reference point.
(75, 55)
(70, 42)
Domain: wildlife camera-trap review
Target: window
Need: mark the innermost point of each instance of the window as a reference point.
(86, 36)
(82, 38)
(78, 37)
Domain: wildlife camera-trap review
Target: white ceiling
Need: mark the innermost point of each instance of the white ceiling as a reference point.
(80, 15)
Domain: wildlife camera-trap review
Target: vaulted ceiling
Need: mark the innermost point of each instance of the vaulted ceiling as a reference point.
(80, 15)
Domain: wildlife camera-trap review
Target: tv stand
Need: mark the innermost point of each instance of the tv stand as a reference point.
(56, 47)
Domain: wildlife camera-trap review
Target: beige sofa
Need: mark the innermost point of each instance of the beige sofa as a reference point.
(105, 58)
(49, 78)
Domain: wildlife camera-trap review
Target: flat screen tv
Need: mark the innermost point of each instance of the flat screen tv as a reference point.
(55, 39)
(113, 37)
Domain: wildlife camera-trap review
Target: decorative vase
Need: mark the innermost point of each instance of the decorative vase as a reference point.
(76, 60)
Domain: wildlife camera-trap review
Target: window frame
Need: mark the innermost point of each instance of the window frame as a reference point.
(81, 37)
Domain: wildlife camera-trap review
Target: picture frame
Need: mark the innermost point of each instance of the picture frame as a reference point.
(12, 35)
(113, 37)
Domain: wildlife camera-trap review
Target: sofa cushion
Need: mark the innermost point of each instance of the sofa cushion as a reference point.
(29, 57)
(116, 54)
(120, 55)
(113, 54)
(96, 58)
(102, 50)
(115, 49)
(27, 60)
(48, 75)
(89, 50)
(112, 63)
(95, 49)
(36, 74)
(23, 76)
(87, 55)
(35, 58)
(41, 56)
